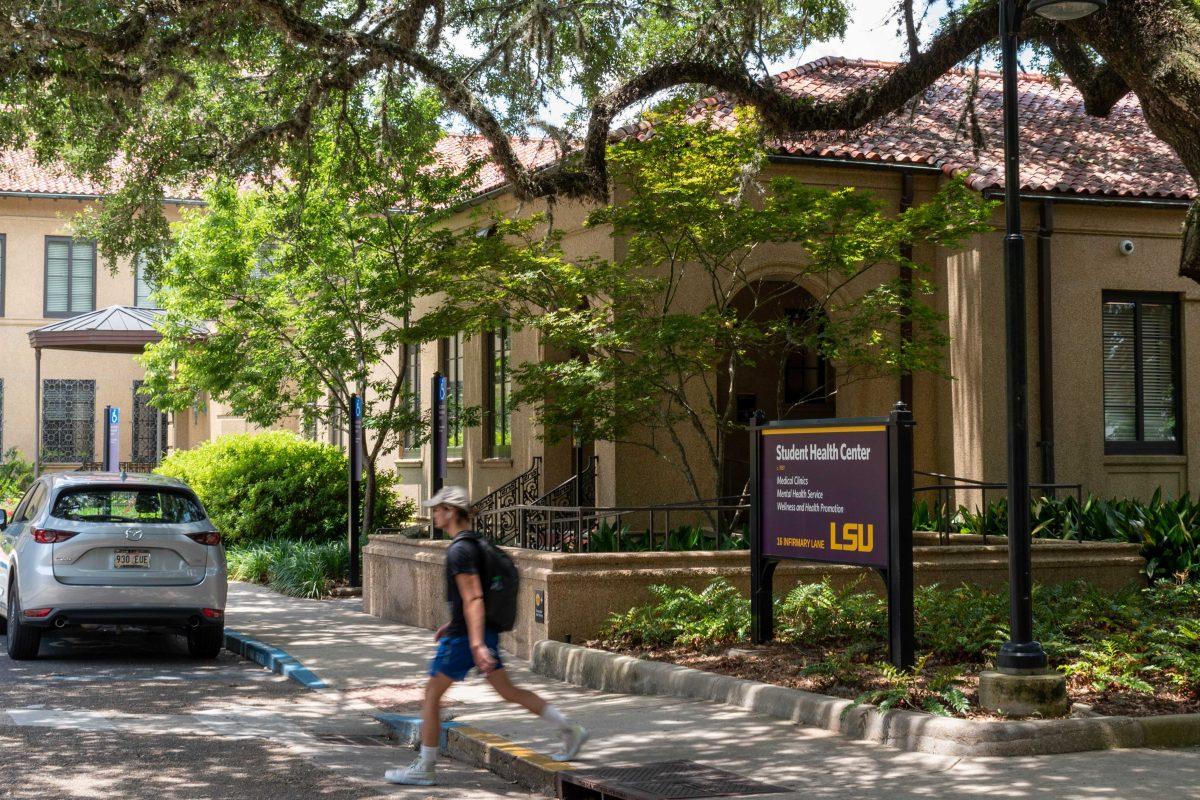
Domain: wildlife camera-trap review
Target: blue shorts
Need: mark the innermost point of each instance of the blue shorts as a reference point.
(454, 658)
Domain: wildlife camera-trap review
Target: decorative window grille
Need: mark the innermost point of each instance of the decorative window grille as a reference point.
(68, 420)
(149, 429)
(1142, 383)
(1, 416)
(70, 276)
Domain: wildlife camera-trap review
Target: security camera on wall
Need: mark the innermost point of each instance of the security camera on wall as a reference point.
(1126, 247)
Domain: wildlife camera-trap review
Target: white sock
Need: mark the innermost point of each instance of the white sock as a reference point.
(555, 717)
(428, 755)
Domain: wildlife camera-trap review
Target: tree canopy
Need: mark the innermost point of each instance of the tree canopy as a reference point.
(164, 91)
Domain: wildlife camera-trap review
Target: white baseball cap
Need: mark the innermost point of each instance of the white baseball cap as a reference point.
(450, 496)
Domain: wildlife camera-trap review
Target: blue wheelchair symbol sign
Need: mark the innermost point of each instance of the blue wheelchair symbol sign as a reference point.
(441, 388)
(114, 415)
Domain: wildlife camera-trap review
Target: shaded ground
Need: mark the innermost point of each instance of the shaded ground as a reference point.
(70, 764)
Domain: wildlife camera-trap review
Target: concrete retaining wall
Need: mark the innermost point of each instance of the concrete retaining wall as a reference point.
(403, 579)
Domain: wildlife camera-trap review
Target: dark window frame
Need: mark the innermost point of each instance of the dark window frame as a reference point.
(412, 381)
(70, 241)
(494, 345)
(450, 361)
(1140, 447)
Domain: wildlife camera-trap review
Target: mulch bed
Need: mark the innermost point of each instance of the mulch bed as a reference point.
(783, 665)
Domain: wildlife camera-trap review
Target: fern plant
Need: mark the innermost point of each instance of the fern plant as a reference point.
(941, 694)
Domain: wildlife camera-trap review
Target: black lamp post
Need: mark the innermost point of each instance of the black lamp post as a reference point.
(1021, 652)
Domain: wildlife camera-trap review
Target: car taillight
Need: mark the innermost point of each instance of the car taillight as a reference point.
(210, 538)
(212, 613)
(37, 613)
(43, 536)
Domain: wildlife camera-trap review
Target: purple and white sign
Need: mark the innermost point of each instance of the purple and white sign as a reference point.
(824, 493)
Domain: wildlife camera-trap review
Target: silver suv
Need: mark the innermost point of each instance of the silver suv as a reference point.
(93, 548)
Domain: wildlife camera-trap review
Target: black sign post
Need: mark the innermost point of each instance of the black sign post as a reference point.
(356, 459)
(112, 439)
(837, 491)
(439, 437)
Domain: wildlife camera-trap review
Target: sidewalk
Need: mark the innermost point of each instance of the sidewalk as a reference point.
(371, 663)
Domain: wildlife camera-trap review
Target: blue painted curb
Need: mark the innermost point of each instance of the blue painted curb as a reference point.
(273, 659)
(408, 729)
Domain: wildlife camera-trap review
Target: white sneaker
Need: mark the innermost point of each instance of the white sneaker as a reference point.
(415, 774)
(572, 740)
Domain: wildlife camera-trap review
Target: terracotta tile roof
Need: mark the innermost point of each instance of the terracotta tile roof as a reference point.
(1063, 149)
(459, 150)
(20, 172)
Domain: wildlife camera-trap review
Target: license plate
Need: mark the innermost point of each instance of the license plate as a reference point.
(131, 559)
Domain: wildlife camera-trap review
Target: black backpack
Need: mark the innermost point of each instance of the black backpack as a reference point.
(500, 581)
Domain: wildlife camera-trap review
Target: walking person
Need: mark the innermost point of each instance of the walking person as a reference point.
(472, 638)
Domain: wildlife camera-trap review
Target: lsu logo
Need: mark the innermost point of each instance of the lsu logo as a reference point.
(854, 537)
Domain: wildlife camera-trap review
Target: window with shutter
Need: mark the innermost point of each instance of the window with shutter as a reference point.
(70, 276)
(142, 288)
(1142, 387)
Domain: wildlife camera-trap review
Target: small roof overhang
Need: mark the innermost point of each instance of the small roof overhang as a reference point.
(116, 329)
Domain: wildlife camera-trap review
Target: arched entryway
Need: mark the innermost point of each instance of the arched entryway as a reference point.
(784, 376)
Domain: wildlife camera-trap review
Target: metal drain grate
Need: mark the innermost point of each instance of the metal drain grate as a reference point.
(358, 740)
(670, 780)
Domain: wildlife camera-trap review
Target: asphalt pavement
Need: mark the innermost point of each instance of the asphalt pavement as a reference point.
(131, 715)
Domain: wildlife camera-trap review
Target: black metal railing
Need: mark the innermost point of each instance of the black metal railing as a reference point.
(947, 485)
(705, 525)
(493, 513)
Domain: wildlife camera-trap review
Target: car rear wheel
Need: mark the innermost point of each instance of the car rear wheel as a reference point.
(23, 640)
(206, 642)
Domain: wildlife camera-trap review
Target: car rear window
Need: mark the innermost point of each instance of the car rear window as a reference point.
(123, 504)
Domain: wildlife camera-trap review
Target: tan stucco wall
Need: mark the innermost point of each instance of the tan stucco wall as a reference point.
(404, 579)
(25, 223)
(961, 421)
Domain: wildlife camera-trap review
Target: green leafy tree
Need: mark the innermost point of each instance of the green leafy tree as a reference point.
(311, 285)
(160, 92)
(649, 349)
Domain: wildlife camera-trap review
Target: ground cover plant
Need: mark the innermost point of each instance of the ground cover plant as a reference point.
(1167, 530)
(1136, 651)
(16, 474)
(296, 568)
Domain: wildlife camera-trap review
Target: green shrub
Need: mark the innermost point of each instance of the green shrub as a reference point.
(296, 568)
(277, 485)
(1125, 640)
(16, 475)
(679, 615)
(1166, 530)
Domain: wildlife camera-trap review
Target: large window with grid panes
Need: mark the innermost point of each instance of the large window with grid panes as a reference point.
(1142, 386)
(143, 287)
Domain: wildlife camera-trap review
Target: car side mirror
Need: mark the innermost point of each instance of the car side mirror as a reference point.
(3, 519)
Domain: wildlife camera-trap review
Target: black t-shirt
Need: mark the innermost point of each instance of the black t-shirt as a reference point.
(462, 558)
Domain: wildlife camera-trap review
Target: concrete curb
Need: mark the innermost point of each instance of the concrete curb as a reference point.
(273, 659)
(478, 748)
(907, 730)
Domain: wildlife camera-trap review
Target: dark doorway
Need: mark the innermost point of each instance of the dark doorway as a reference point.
(784, 377)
